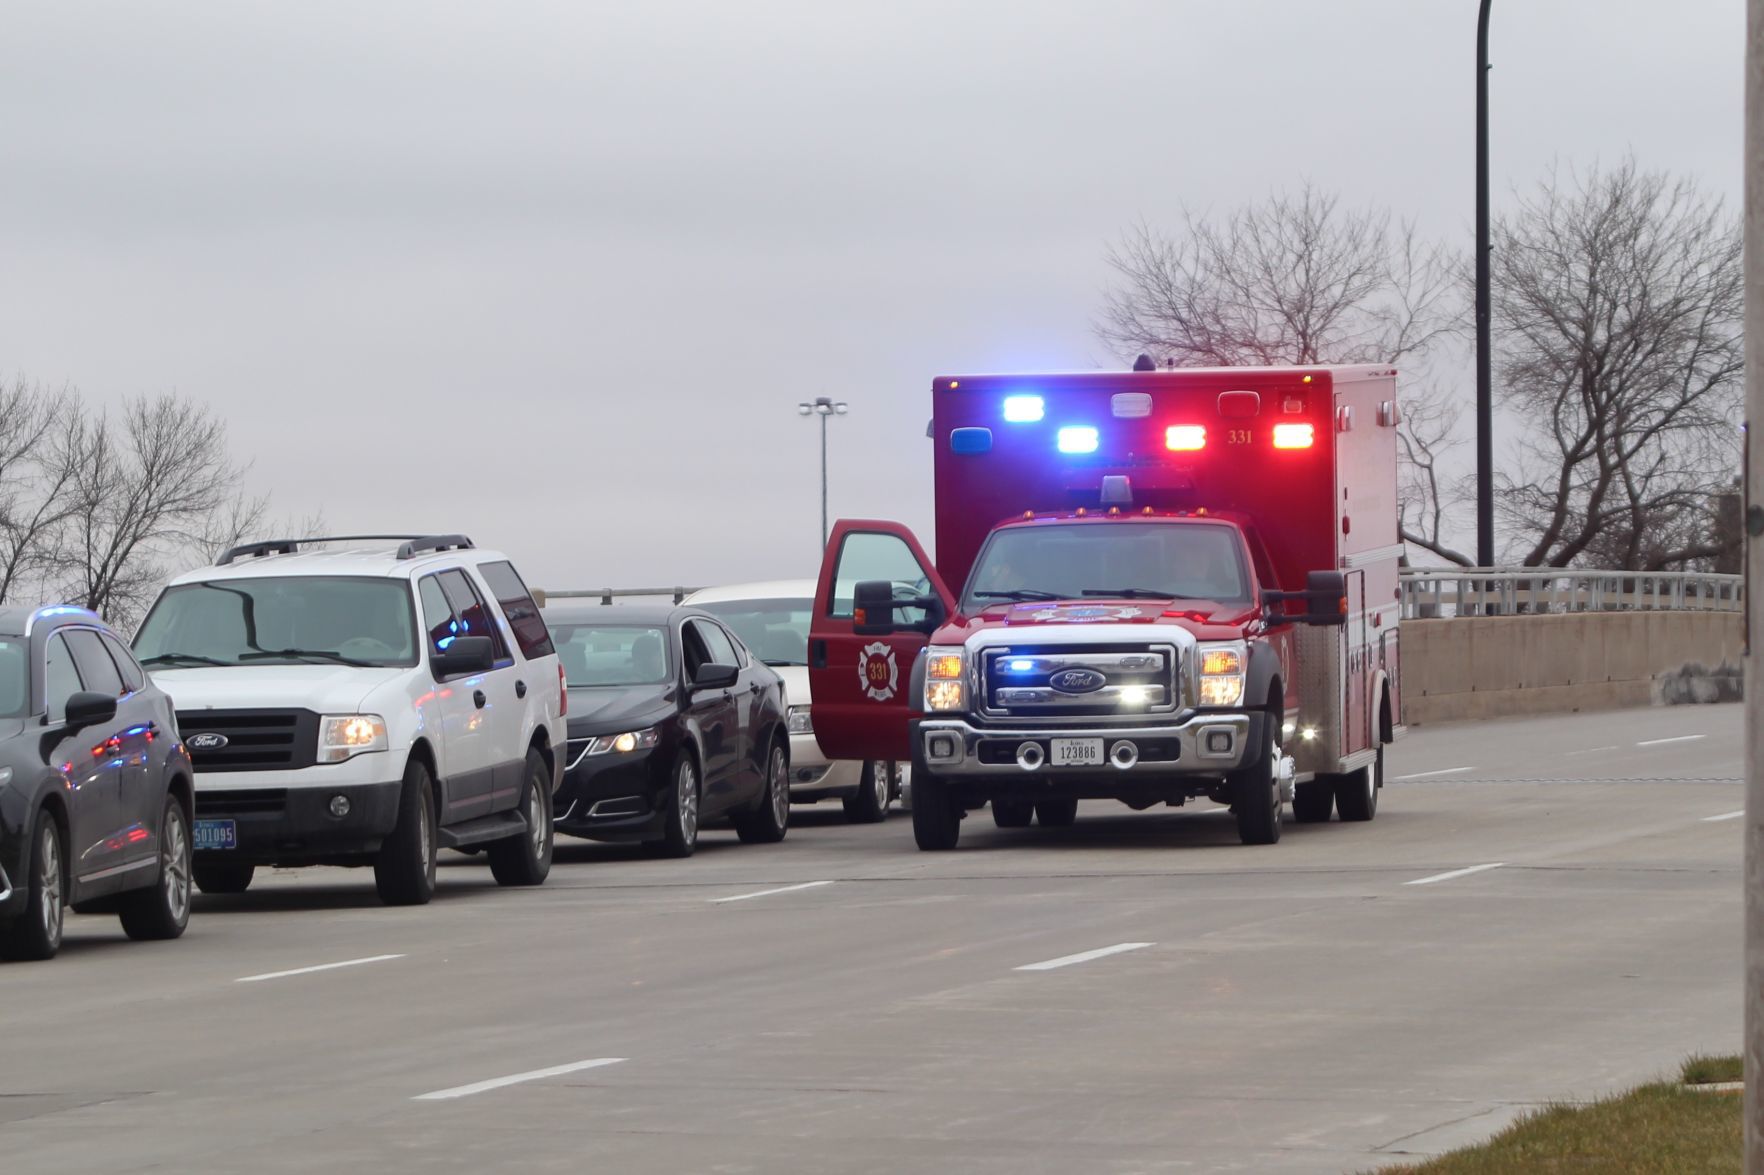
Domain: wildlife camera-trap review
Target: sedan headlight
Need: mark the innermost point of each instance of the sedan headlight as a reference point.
(800, 721)
(945, 680)
(1221, 675)
(344, 736)
(624, 744)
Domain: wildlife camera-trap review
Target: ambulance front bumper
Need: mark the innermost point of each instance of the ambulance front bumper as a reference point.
(1202, 744)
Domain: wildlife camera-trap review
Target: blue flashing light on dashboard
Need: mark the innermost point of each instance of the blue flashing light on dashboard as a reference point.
(1078, 439)
(1023, 409)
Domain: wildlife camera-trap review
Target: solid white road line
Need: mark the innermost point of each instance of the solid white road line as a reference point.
(1724, 816)
(1455, 873)
(1429, 774)
(766, 893)
(320, 967)
(1660, 742)
(1084, 956)
(441, 1095)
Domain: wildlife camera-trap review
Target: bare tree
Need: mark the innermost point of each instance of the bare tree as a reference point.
(147, 488)
(1617, 307)
(36, 468)
(1426, 493)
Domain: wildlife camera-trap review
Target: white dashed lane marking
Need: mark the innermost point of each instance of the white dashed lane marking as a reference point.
(1084, 956)
(441, 1095)
(320, 967)
(1455, 873)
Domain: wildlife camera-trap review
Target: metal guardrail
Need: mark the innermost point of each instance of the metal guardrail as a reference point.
(609, 595)
(1517, 591)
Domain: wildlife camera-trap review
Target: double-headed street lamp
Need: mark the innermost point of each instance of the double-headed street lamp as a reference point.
(823, 406)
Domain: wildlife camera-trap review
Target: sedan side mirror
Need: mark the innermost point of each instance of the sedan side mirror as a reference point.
(464, 654)
(710, 675)
(89, 709)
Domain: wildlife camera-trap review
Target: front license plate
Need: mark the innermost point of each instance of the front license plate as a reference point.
(1077, 752)
(216, 834)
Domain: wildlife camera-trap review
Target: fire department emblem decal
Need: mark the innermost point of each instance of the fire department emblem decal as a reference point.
(1083, 615)
(878, 671)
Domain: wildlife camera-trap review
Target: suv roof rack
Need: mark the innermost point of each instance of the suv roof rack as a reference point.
(410, 545)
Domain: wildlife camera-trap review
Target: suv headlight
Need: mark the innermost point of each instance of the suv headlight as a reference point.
(1221, 674)
(946, 687)
(799, 721)
(624, 744)
(344, 736)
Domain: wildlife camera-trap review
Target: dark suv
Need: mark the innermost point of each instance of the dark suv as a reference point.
(95, 799)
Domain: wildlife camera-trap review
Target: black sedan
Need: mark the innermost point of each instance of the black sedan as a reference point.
(672, 724)
(95, 798)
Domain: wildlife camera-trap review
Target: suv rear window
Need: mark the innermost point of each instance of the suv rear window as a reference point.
(517, 605)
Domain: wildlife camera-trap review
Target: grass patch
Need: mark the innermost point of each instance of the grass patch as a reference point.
(1701, 1070)
(1660, 1129)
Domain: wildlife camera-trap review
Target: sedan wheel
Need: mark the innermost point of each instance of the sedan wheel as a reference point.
(680, 816)
(770, 820)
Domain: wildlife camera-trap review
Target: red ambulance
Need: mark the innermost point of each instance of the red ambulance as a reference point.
(1150, 586)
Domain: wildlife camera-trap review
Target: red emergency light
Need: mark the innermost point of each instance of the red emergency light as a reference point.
(1294, 436)
(1185, 438)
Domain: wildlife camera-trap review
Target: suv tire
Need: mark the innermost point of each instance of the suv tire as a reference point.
(680, 820)
(875, 790)
(162, 910)
(770, 818)
(219, 877)
(36, 933)
(404, 869)
(1056, 813)
(526, 859)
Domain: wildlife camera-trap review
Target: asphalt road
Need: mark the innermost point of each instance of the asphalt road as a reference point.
(1350, 996)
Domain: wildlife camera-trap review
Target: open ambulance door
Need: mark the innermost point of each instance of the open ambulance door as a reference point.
(878, 601)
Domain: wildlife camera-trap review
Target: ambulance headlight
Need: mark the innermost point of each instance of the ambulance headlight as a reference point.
(946, 687)
(1221, 674)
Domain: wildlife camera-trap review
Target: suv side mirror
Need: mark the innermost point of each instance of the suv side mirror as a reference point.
(1324, 597)
(710, 675)
(89, 709)
(464, 654)
(873, 604)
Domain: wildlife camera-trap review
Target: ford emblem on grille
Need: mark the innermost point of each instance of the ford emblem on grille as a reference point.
(1077, 681)
(206, 742)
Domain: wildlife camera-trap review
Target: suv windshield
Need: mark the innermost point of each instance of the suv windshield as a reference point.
(610, 654)
(287, 620)
(1145, 560)
(776, 630)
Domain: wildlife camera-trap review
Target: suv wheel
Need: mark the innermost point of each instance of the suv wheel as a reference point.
(162, 910)
(526, 859)
(404, 870)
(680, 817)
(870, 804)
(220, 878)
(36, 932)
(770, 818)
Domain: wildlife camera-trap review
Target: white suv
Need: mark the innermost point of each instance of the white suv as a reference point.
(772, 620)
(365, 702)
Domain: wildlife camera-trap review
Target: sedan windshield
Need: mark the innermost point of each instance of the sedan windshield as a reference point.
(284, 620)
(1129, 560)
(776, 630)
(610, 654)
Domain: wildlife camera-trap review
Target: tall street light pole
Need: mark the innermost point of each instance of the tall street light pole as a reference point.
(1485, 555)
(1754, 566)
(823, 406)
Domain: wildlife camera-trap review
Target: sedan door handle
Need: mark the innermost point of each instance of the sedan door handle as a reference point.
(520, 689)
(479, 700)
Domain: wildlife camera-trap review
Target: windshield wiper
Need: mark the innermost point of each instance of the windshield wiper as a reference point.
(322, 654)
(183, 658)
(1131, 593)
(1019, 594)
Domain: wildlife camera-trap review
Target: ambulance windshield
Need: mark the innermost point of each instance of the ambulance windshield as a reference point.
(1131, 560)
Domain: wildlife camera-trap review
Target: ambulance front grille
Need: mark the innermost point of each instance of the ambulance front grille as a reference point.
(1112, 682)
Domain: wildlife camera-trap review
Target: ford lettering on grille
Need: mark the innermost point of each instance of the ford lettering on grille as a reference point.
(207, 742)
(1077, 681)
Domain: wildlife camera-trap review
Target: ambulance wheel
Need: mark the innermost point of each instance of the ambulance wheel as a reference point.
(1013, 813)
(1057, 813)
(1255, 793)
(937, 817)
(1313, 802)
(1356, 794)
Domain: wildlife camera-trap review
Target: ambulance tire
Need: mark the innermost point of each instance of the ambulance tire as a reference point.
(1013, 813)
(1057, 813)
(937, 816)
(1356, 793)
(1313, 802)
(1255, 793)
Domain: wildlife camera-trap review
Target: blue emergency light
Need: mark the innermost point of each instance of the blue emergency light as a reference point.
(1078, 439)
(970, 440)
(1023, 409)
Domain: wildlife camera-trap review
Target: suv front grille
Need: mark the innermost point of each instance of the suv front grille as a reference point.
(256, 740)
(1073, 681)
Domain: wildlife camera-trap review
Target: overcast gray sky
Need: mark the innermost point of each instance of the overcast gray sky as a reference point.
(557, 274)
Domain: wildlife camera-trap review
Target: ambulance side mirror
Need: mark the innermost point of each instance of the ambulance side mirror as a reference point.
(873, 605)
(1324, 598)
